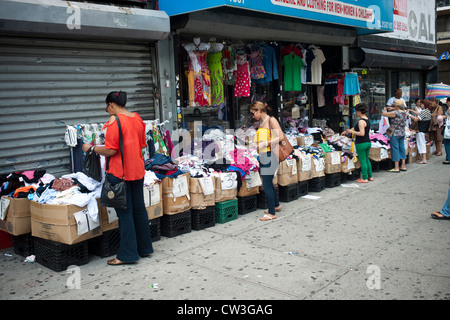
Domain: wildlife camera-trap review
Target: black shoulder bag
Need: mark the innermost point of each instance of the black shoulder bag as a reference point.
(115, 196)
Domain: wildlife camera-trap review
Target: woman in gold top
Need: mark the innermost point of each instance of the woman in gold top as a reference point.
(267, 136)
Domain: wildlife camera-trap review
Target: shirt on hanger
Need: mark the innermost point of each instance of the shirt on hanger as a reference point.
(292, 72)
(316, 66)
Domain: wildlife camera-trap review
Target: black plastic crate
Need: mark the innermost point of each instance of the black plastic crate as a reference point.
(261, 199)
(302, 188)
(353, 175)
(176, 224)
(203, 218)
(288, 193)
(247, 204)
(155, 229)
(58, 256)
(23, 245)
(316, 184)
(387, 164)
(333, 180)
(376, 165)
(105, 245)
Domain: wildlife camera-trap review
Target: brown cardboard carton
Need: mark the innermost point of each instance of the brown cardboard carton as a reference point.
(18, 216)
(58, 223)
(348, 165)
(198, 199)
(318, 167)
(228, 192)
(153, 198)
(287, 172)
(304, 165)
(332, 162)
(175, 194)
(378, 154)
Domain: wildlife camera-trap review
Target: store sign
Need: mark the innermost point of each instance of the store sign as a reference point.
(444, 56)
(414, 20)
(362, 14)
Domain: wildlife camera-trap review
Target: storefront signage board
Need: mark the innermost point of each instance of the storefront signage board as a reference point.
(414, 20)
(364, 15)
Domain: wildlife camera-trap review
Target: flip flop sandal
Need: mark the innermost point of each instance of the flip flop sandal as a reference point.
(370, 179)
(446, 162)
(276, 210)
(402, 169)
(116, 262)
(361, 181)
(267, 218)
(393, 170)
(434, 216)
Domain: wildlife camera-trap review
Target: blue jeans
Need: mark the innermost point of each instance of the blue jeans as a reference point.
(268, 164)
(447, 149)
(134, 227)
(446, 208)
(398, 148)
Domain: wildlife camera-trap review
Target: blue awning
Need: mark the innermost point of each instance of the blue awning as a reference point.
(362, 15)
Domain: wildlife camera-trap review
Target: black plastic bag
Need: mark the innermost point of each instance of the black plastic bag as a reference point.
(92, 167)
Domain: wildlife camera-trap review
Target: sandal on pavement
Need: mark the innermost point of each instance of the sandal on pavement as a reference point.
(446, 162)
(266, 217)
(421, 162)
(370, 179)
(438, 154)
(439, 216)
(362, 181)
(393, 170)
(117, 262)
(402, 169)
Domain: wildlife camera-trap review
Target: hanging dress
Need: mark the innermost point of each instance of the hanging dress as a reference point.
(228, 64)
(257, 70)
(242, 75)
(199, 79)
(215, 67)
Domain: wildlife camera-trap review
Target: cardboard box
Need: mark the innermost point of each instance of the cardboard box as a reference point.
(412, 154)
(153, 198)
(304, 165)
(318, 167)
(58, 223)
(378, 154)
(333, 162)
(18, 216)
(305, 141)
(226, 190)
(255, 183)
(198, 198)
(287, 172)
(175, 194)
(348, 165)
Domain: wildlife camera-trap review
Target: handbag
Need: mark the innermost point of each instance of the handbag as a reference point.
(92, 167)
(390, 131)
(283, 148)
(115, 195)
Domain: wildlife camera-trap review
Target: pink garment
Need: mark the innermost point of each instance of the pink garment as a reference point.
(380, 137)
(240, 160)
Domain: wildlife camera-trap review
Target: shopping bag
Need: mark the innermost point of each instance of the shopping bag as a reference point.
(92, 166)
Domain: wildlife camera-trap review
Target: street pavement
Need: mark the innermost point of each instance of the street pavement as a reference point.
(375, 241)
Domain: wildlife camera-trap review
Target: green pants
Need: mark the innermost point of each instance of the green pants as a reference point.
(363, 155)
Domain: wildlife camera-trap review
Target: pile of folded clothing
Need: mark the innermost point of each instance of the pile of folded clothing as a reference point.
(163, 166)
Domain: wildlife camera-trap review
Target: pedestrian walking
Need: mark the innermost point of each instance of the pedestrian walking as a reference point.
(266, 136)
(444, 214)
(397, 118)
(436, 129)
(362, 142)
(134, 229)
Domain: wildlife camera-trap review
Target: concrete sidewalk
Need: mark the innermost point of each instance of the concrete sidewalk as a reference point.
(376, 241)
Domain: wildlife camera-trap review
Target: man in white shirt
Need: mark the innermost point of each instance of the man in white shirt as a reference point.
(398, 96)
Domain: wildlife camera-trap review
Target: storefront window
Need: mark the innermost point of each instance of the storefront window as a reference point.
(373, 92)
